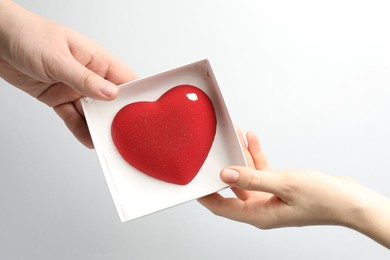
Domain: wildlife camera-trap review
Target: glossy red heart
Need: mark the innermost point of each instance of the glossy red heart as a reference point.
(168, 139)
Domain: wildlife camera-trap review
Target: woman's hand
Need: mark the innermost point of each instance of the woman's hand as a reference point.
(282, 198)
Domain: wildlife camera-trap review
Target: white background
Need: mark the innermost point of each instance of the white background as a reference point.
(310, 77)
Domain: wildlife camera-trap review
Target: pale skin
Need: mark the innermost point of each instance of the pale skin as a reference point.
(57, 65)
(267, 198)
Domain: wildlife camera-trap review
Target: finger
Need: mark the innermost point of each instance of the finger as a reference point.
(244, 148)
(209, 199)
(119, 72)
(57, 94)
(241, 138)
(259, 159)
(250, 179)
(225, 207)
(98, 60)
(241, 194)
(79, 107)
(105, 65)
(85, 81)
(75, 123)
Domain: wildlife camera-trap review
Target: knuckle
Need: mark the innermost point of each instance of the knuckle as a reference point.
(85, 80)
(253, 181)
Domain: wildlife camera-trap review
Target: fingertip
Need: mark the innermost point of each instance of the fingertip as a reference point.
(250, 132)
(109, 91)
(209, 197)
(240, 177)
(88, 144)
(86, 81)
(229, 175)
(251, 135)
(210, 200)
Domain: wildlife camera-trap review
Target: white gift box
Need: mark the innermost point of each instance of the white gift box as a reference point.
(136, 194)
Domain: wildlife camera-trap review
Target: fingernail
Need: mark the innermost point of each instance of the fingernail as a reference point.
(229, 175)
(108, 90)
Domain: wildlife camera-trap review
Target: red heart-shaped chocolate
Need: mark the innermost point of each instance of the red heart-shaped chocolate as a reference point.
(168, 139)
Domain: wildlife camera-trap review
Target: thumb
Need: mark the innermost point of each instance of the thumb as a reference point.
(251, 179)
(85, 81)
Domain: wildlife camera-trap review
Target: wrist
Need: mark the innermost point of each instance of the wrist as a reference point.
(371, 216)
(357, 212)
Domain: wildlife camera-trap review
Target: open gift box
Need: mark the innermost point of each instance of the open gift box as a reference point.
(136, 194)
